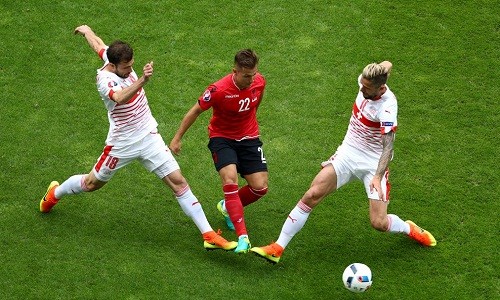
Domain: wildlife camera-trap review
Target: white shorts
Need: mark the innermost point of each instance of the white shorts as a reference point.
(350, 164)
(151, 152)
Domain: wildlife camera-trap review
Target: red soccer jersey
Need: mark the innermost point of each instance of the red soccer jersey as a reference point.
(234, 110)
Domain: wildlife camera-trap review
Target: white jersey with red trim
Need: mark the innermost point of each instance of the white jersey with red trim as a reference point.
(128, 122)
(369, 120)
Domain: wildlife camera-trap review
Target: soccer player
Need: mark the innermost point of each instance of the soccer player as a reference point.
(364, 155)
(234, 139)
(132, 135)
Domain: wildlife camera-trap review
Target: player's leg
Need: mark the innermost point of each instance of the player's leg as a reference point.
(224, 155)
(253, 167)
(336, 172)
(193, 209)
(323, 184)
(158, 159)
(382, 221)
(104, 169)
(74, 185)
(379, 219)
(186, 199)
(78, 184)
(233, 206)
(255, 189)
(225, 160)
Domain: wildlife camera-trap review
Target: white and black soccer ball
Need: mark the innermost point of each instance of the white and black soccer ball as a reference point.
(357, 277)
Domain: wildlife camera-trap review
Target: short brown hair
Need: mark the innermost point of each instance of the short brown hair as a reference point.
(119, 52)
(246, 58)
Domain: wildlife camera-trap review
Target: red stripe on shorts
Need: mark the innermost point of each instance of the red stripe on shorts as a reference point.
(102, 159)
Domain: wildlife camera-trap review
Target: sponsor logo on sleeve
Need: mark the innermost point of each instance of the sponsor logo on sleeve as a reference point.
(388, 124)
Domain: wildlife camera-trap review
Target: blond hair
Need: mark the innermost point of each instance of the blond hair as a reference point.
(376, 74)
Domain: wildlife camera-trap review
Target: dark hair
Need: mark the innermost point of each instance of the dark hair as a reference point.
(119, 51)
(246, 58)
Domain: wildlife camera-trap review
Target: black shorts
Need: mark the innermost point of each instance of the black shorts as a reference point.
(247, 155)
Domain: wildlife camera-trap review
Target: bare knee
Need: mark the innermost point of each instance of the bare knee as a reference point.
(380, 224)
(176, 182)
(257, 181)
(323, 184)
(313, 197)
(92, 184)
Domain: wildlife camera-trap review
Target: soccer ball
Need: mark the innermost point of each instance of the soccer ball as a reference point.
(357, 277)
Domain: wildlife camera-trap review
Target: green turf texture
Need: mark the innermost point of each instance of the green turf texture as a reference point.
(131, 240)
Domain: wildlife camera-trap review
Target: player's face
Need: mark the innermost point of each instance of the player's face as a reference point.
(243, 77)
(369, 90)
(123, 69)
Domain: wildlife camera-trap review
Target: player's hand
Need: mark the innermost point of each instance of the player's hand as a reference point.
(377, 186)
(147, 70)
(83, 29)
(387, 65)
(175, 146)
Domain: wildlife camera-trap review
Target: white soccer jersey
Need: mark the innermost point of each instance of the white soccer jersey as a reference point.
(129, 122)
(370, 119)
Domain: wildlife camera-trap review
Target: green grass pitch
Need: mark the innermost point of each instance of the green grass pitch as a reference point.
(131, 240)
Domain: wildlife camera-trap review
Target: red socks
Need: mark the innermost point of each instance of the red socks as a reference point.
(249, 195)
(234, 208)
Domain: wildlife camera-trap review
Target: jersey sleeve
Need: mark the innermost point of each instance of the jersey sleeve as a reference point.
(107, 86)
(389, 118)
(103, 54)
(206, 100)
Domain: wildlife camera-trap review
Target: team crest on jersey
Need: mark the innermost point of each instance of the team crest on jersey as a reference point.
(112, 84)
(206, 95)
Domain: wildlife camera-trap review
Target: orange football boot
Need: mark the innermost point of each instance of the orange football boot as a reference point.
(49, 200)
(213, 241)
(421, 235)
(270, 252)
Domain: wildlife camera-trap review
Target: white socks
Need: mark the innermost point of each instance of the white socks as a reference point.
(72, 186)
(298, 217)
(294, 223)
(192, 208)
(396, 225)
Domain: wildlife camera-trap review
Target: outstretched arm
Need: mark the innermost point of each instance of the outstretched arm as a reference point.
(94, 41)
(187, 121)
